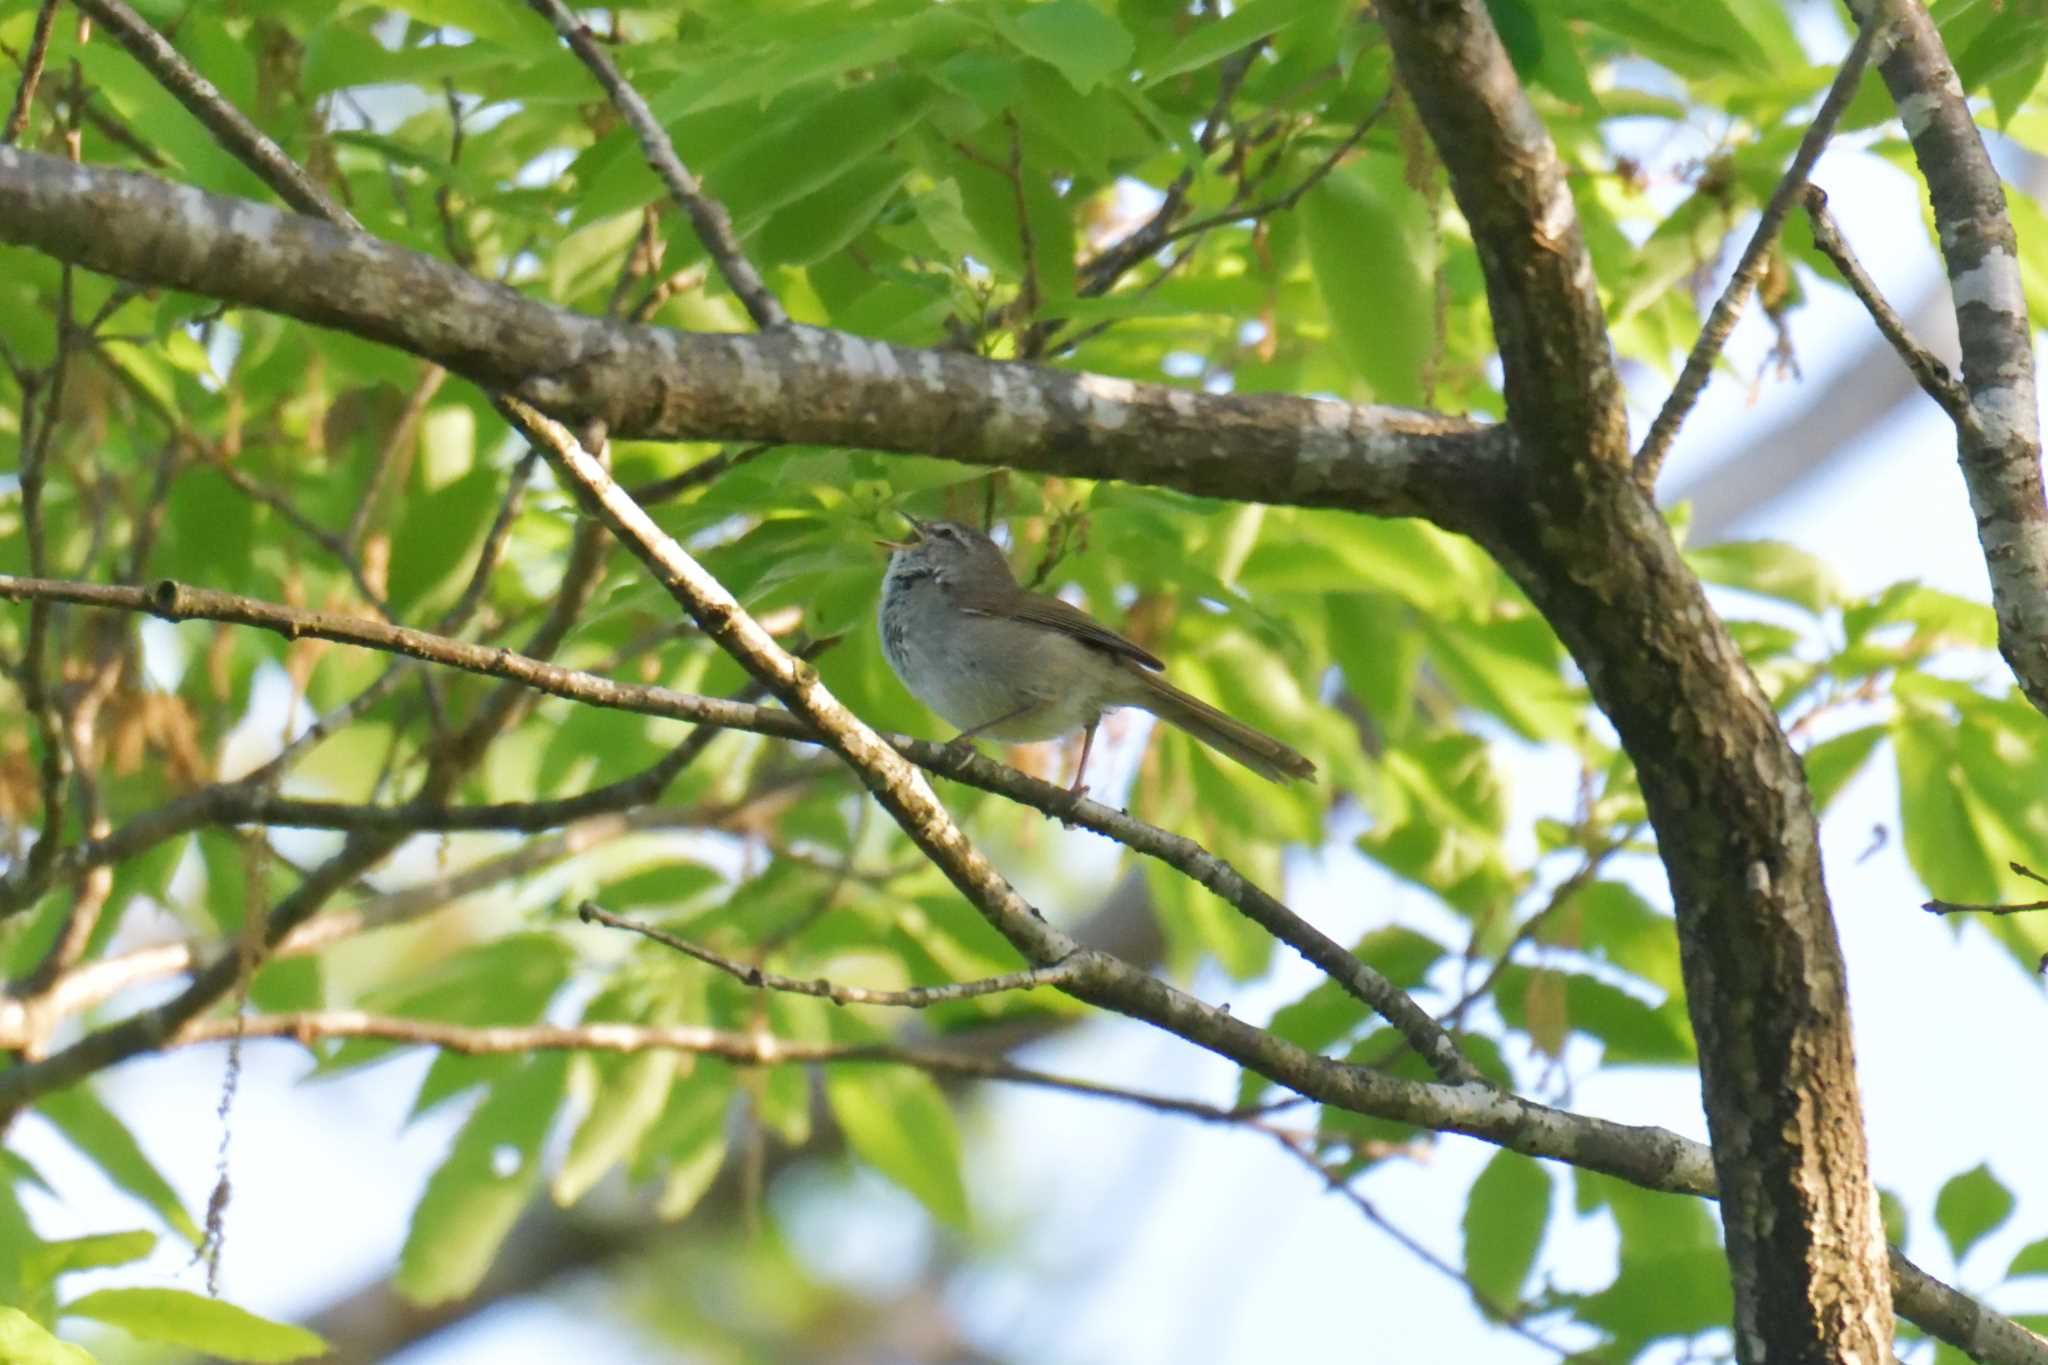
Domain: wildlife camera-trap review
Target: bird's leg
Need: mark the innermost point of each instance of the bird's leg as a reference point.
(1077, 791)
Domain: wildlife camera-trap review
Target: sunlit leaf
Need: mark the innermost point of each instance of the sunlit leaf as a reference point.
(1971, 1206)
(899, 1123)
(471, 1201)
(176, 1317)
(24, 1342)
(1506, 1214)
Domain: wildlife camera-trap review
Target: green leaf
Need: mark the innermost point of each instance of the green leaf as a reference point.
(1244, 25)
(1770, 568)
(98, 1133)
(23, 1341)
(220, 556)
(2031, 1259)
(632, 1097)
(1616, 925)
(687, 1142)
(1512, 673)
(897, 1121)
(195, 1322)
(1371, 244)
(1969, 1207)
(1673, 1274)
(1074, 36)
(1892, 1212)
(1942, 842)
(1329, 1013)
(437, 536)
(718, 79)
(484, 18)
(820, 224)
(801, 154)
(1506, 1214)
(472, 1200)
(1832, 763)
(93, 1252)
(1695, 39)
(1542, 49)
(1629, 1030)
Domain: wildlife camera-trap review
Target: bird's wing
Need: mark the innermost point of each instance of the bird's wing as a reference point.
(1053, 614)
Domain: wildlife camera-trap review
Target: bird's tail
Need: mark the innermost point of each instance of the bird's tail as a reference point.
(1260, 752)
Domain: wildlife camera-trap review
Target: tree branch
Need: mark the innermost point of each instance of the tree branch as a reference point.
(1926, 367)
(645, 382)
(147, 1030)
(31, 73)
(1699, 365)
(744, 1049)
(1936, 1307)
(242, 139)
(247, 803)
(713, 224)
(916, 998)
(1564, 398)
(1725, 792)
(2000, 452)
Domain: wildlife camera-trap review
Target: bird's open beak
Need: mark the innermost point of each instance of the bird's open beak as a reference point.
(916, 535)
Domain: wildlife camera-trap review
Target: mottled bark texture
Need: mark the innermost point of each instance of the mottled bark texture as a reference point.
(795, 384)
(1998, 444)
(1727, 794)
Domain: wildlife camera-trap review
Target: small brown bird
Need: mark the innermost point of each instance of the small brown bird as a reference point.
(995, 659)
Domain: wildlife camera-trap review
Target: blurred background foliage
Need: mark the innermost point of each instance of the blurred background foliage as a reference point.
(1231, 197)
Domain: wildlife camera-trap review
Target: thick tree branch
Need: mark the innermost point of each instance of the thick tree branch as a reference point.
(2000, 452)
(1725, 791)
(1562, 389)
(795, 384)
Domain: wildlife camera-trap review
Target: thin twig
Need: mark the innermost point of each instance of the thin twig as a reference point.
(1964, 908)
(239, 136)
(31, 72)
(1281, 203)
(493, 547)
(38, 696)
(1361, 980)
(1692, 380)
(1027, 243)
(917, 997)
(698, 474)
(745, 1049)
(642, 259)
(392, 464)
(1100, 274)
(713, 223)
(151, 1029)
(2019, 869)
(1933, 376)
(1512, 1319)
(337, 549)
